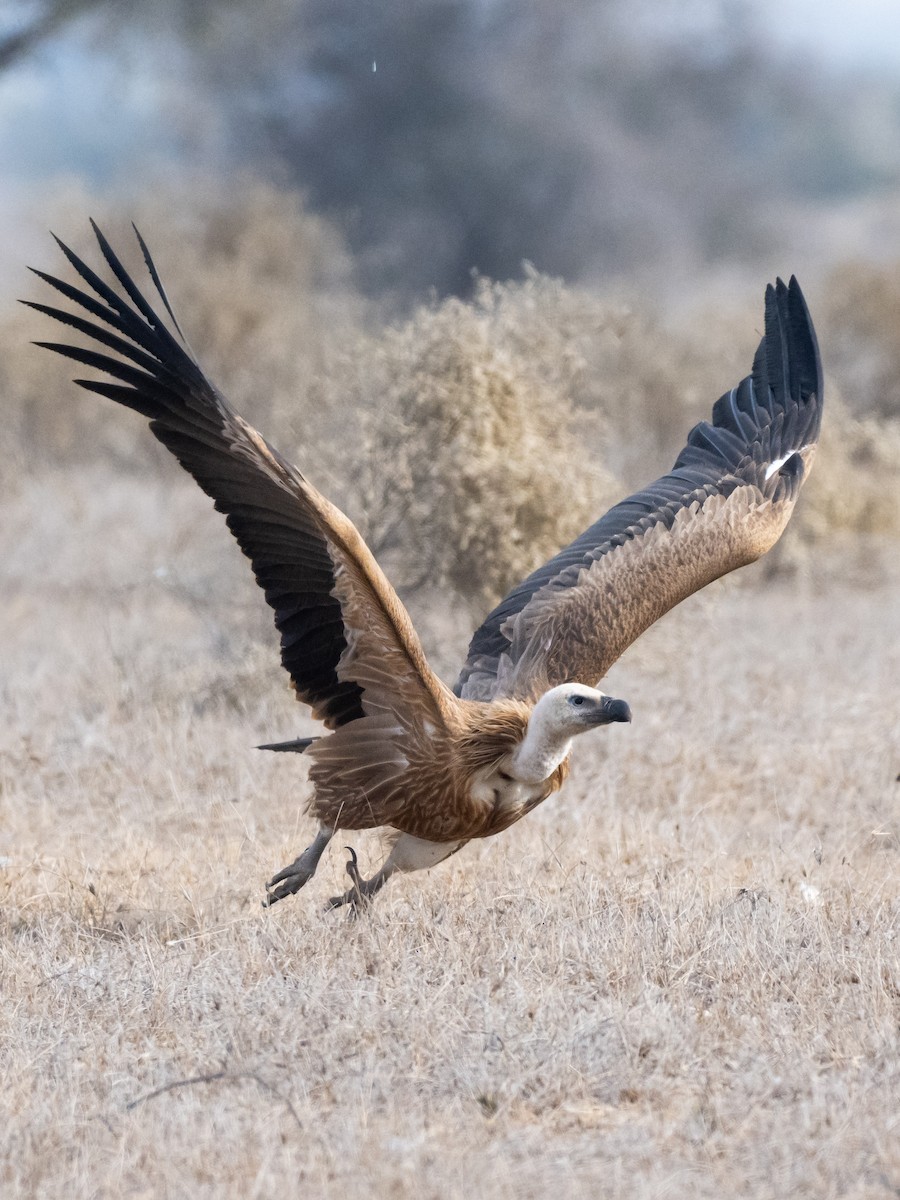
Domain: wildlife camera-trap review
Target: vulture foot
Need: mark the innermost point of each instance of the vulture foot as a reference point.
(292, 878)
(360, 894)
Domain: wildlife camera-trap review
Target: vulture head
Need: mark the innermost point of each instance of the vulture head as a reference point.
(559, 716)
(573, 708)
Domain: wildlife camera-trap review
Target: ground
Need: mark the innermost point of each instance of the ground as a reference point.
(679, 977)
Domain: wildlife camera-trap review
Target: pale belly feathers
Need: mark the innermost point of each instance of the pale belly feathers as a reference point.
(495, 788)
(498, 789)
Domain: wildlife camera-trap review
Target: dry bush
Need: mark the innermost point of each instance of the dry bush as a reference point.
(473, 473)
(861, 335)
(635, 385)
(609, 356)
(855, 487)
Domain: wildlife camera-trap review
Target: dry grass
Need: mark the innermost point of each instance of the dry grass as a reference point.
(678, 978)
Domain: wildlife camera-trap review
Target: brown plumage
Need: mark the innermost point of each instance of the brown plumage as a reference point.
(418, 779)
(437, 767)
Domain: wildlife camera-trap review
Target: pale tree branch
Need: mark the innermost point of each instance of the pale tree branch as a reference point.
(53, 16)
(216, 1077)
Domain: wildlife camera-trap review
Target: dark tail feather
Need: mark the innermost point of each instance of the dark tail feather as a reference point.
(297, 746)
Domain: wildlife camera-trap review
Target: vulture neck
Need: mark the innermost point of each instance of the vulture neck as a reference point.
(541, 750)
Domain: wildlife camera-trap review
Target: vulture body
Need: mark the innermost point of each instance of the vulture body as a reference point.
(440, 767)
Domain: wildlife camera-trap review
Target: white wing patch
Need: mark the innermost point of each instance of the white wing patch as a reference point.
(779, 462)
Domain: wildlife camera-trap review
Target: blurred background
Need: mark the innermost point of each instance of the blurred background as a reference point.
(656, 141)
(430, 246)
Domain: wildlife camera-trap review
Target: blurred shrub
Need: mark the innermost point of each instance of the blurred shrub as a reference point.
(472, 473)
(855, 487)
(861, 334)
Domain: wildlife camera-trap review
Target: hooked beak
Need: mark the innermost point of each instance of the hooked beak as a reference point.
(613, 710)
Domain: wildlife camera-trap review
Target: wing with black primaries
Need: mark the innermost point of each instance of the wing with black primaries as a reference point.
(724, 503)
(342, 628)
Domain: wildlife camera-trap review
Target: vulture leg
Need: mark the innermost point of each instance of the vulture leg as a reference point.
(292, 878)
(359, 895)
(408, 854)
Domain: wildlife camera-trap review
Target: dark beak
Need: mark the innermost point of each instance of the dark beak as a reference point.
(613, 710)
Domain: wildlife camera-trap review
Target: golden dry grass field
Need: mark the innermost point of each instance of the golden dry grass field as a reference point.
(679, 977)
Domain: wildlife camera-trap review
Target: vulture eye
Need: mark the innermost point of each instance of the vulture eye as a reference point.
(576, 699)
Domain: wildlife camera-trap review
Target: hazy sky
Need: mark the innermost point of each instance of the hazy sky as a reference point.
(846, 31)
(51, 104)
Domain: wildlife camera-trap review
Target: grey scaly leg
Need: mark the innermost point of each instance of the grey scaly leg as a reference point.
(301, 870)
(359, 895)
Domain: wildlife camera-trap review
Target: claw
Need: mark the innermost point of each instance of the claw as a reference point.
(291, 878)
(356, 898)
(352, 868)
(281, 893)
(284, 873)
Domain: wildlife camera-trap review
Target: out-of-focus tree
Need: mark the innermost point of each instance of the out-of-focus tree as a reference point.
(447, 136)
(33, 23)
(461, 134)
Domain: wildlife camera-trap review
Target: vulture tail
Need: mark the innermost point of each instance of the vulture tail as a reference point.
(296, 746)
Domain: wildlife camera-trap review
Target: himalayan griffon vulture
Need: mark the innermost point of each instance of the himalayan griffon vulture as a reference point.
(439, 767)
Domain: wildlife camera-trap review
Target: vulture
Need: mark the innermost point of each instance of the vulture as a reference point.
(437, 767)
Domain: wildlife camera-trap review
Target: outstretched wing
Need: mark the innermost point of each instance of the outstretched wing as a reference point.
(725, 503)
(346, 640)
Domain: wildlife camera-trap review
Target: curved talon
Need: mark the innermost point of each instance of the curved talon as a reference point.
(359, 896)
(352, 868)
(356, 897)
